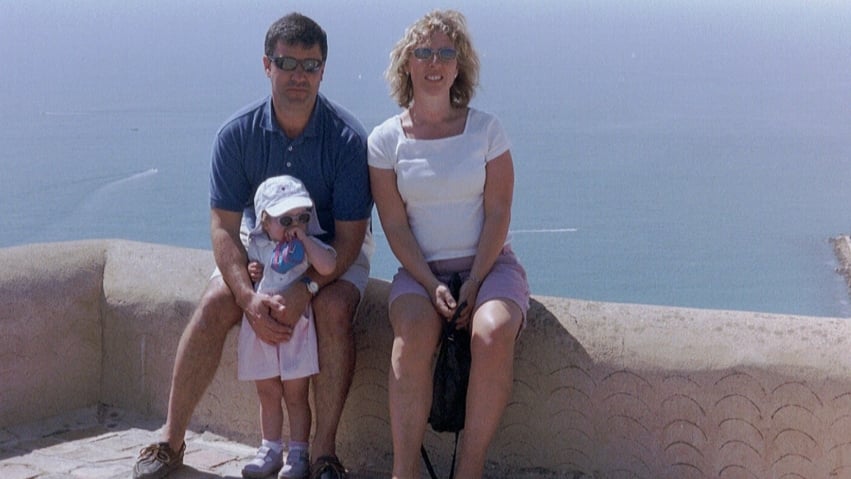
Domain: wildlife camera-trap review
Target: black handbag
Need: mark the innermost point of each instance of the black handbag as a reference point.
(451, 375)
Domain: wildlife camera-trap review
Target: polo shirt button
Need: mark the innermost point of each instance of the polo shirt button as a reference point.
(289, 165)
(290, 148)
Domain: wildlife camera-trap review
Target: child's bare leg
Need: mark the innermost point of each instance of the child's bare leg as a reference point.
(268, 459)
(298, 408)
(298, 411)
(270, 392)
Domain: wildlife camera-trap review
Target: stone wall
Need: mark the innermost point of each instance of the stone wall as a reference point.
(601, 389)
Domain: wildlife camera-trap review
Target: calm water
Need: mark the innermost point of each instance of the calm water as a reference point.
(666, 154)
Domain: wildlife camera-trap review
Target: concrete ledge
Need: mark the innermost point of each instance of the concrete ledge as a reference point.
(601, 389)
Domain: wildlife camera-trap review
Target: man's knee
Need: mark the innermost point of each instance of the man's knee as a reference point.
(217, 307)
(334, 309)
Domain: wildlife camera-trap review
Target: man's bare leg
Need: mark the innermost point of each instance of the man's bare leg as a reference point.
(334, 308)
(198, 356)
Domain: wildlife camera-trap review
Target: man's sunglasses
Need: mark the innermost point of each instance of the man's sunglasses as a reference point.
(288, 64)
(299, 219)
(445, 54)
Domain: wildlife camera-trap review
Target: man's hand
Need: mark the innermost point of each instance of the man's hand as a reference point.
(294, 301)
(261, 312)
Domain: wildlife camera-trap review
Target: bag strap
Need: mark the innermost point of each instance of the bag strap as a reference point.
(448, 328)
(428, 462)
(454, 285)
(454, 452)
(429, 466)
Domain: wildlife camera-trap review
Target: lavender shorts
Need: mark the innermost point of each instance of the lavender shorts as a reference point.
(506, 280)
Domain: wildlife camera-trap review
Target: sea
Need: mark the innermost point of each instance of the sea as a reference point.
(667, 152)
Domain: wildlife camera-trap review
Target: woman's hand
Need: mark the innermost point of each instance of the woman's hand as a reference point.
(443, 301)
(469, 292)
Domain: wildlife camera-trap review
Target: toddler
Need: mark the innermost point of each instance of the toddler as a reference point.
(281, 247)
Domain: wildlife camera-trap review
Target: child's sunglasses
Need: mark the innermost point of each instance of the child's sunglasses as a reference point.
(301, 218)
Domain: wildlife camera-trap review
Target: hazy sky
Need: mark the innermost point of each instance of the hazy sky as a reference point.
(103, 54)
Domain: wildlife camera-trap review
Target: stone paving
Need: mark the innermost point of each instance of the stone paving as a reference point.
(102, 443)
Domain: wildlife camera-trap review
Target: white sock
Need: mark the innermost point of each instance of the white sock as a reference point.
(297, 446)
(277, 446)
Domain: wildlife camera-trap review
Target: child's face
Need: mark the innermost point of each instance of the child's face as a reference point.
(294, 219)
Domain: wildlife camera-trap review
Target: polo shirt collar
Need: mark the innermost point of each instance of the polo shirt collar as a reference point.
(312, 128)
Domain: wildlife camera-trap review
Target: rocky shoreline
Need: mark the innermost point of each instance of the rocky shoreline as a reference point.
(842, 248)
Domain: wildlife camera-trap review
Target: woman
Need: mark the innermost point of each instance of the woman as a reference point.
(442, 178)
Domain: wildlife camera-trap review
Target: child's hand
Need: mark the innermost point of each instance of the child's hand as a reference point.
(255, 271)
(297, 233)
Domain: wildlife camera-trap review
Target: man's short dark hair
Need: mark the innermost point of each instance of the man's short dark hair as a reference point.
(296, 29)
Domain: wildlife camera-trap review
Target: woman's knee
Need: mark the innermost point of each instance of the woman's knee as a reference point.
(416, 325)
(497, 323)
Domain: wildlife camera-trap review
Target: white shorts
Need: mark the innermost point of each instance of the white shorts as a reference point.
(296, 358)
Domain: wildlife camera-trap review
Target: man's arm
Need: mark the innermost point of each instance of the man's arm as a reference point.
(230, 254)
(348, 241)
(232, 261)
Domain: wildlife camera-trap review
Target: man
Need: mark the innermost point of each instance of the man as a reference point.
(295, 131)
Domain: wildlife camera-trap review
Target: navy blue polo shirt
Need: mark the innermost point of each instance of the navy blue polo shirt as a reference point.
(329, 157)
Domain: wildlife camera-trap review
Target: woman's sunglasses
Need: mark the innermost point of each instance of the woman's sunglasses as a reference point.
(445, 54)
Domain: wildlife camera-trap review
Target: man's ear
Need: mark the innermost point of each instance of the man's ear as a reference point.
(267, 66)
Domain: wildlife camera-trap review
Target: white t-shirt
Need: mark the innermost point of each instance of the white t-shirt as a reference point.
(441, 181)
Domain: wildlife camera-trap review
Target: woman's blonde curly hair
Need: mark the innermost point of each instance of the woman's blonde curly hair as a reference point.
(454, 25)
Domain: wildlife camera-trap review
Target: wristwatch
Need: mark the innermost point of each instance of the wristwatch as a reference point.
(312, 286)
